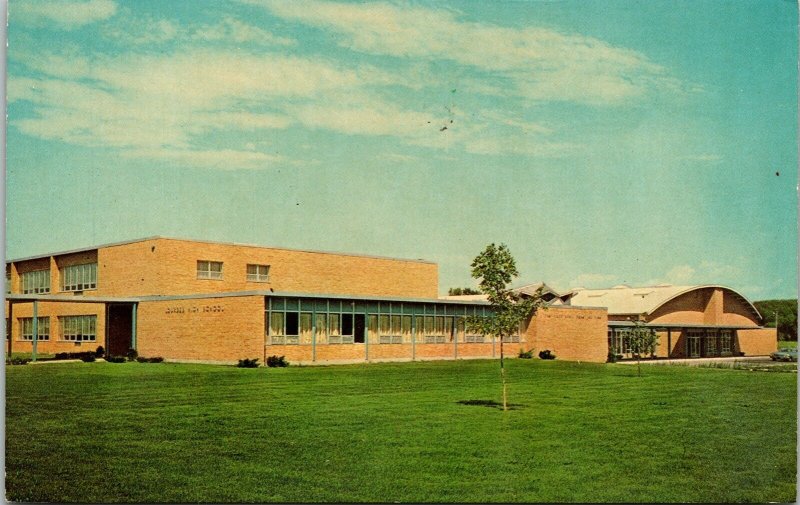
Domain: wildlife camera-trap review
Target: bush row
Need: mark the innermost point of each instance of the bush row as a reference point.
(272, 362)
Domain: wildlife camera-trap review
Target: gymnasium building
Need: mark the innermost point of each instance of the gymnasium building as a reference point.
(220, 302)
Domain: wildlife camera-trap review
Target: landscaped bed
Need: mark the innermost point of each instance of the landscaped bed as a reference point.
(398, 432)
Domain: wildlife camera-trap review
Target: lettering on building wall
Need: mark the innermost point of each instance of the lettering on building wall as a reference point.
(195, 309)
(568, 316)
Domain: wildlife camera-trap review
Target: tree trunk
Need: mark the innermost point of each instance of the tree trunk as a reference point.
(503, 376)
(639, 364)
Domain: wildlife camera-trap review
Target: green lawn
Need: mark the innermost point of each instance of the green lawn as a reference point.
(791, 344)
(103, 432)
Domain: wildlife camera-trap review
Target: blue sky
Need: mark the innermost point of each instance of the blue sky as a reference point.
(605, 142)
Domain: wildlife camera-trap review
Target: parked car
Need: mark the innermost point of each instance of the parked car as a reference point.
(785, 354)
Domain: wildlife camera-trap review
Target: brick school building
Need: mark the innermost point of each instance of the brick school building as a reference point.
(220, 302)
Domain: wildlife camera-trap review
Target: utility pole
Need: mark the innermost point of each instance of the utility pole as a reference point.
(776, 325)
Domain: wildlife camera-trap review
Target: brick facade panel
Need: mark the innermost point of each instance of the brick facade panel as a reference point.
(225, 329)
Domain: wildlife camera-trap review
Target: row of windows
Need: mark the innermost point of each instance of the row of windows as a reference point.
(73, 278)
(296, 328)
(213, 270)
(73, 328)
(82, 277)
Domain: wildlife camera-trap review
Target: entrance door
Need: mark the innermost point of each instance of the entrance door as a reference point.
(360, 328)
(119, 330)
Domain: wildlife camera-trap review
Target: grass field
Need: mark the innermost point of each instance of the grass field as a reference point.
(403, 432)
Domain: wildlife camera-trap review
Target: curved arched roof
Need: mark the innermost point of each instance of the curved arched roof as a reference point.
(642, 300)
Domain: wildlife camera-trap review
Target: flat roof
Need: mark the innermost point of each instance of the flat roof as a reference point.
(292, 294)
(669, 326)
(239, 244)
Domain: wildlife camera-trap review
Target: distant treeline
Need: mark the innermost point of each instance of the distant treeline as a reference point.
(787, 316)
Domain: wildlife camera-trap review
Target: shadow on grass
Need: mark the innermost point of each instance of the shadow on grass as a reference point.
(490, 403)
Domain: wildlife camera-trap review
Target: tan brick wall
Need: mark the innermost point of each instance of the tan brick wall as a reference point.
(759, 342)
(712, 306)
(223, 329)
(294, 271)
(571, 333)
(53, 310)
(169, 267)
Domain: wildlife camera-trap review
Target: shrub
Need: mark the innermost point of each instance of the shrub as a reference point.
(277, 361)
(546, 354)
(526, 354)
(248, 363)
(157, 359)
(100, 352)
(131, 354)
(17, 361)
(116, 359)
(87, 356)
(613, 357)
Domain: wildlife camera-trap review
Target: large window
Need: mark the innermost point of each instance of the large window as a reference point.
(711, 343)
(79, 277)
(258, 273)
(36, 282)
(78, 328)
(42, 330)
(693, 338)
(209, 270)
(725, 341)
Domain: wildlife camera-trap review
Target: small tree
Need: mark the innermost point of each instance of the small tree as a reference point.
(643, 342)
(462, 291)
(495, 268)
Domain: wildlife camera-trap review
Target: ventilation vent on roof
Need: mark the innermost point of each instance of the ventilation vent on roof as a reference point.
(621, 286)
(664, 285)
(596, 295)
(643, 294)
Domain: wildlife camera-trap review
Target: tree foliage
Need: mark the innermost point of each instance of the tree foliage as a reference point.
(787, 316)
(643, 341)
(495, 268)
(462, 291)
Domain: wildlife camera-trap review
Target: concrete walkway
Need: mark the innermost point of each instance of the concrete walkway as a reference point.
(700, 361)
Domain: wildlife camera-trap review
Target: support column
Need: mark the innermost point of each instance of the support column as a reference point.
(10, 329)
(314, 332)
(414, 337)
(669, 343)
(35, 328)
(133, 325)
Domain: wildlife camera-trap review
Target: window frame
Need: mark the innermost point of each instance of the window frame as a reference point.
(71, 274)
(79, 323)
(35, 282)
(26, 328)
(207, 273)
(258, 276)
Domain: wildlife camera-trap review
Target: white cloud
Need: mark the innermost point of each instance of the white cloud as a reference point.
(151, 102)
(64, 14)
(540, 63)
(209, 158)
(146, 30)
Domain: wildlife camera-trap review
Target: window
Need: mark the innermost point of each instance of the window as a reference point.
(284, 328)
(79, 277)
(36, 282)
(8, 282)
(693, 339)
(391, 329)
(209, 270)
(78, 328)
(711, 343)
(257, 273)
(725, 342)
(43, 328)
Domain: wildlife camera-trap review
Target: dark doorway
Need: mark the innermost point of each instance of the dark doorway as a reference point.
(360, 328)
(120, 329)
